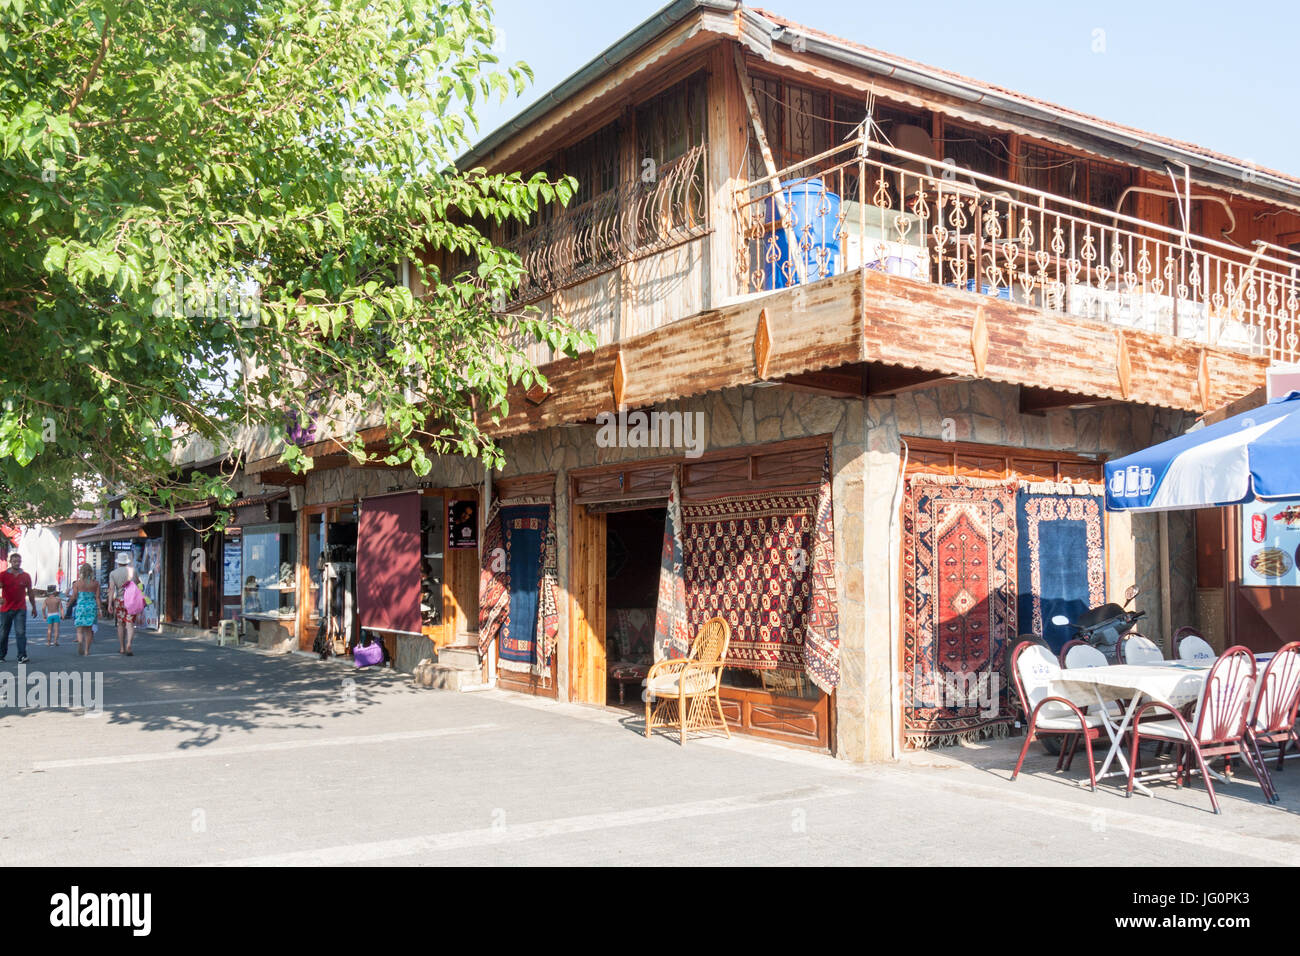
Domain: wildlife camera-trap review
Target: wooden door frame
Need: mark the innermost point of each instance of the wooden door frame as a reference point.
(587, 631)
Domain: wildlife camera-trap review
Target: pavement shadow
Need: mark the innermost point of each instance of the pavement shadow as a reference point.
(191, 687)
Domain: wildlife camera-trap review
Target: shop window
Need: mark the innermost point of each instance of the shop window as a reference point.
(432, 561)
(269, 556)
(315, 568)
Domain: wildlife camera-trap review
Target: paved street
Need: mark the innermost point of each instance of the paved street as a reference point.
(210, 755)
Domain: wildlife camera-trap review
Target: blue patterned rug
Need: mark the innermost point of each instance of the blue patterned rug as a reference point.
(1061, 557)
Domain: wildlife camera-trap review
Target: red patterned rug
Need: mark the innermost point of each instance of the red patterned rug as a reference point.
(959, 597)
(748, 559)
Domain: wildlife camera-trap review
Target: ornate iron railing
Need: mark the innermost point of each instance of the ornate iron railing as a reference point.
(867, 204)
(627, 223)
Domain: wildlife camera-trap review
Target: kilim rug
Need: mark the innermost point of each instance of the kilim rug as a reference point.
(959, 606)
(493, 583)
(1061, 549)
(517, 580)
(821, 647)
(671, 639)
(747, 559)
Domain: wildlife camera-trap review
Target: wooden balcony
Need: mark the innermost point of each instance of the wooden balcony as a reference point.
(903, 274)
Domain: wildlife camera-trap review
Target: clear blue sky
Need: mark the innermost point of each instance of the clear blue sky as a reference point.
(1225, 75)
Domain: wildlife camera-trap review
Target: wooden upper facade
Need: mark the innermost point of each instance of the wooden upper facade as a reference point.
(972, 240)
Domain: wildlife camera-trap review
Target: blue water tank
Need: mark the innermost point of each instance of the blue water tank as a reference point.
(814, 215)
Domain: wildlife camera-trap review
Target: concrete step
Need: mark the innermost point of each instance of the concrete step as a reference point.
(460, 656)
(436, 676)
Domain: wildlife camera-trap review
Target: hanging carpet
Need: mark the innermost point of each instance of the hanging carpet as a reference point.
(1061, 550)
(517, 582)
(672, 639)
(747, 559)
(959, 606)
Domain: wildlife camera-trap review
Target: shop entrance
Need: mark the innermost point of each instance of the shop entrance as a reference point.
(617, 537)
(633, 546)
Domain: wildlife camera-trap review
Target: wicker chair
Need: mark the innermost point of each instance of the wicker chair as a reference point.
(684, 692)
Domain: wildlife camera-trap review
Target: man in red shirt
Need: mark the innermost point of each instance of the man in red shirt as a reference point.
(15, 585)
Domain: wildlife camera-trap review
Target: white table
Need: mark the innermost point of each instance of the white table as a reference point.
(1175, 683)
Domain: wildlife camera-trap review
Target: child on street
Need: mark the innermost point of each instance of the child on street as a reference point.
(53, 608)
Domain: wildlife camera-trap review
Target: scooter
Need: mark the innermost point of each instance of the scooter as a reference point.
(1103, 626)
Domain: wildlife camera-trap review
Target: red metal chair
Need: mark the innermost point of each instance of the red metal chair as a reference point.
(1033, 668)
(1272, 723)
(1222, 725)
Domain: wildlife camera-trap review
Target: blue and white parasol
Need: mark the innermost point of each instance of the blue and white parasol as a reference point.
(1255, 454)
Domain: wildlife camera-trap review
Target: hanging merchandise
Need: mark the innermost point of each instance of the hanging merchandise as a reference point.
(517, 582)
(672, 637)
(1061, 556)
(959, 605)
(746, 559)
(821, 645)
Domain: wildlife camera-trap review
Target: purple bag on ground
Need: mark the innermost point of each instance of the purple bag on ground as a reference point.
(366, 655)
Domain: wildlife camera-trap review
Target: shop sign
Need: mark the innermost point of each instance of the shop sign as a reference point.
(121, 546)
(1270, 544)
(462, 524)
(232, 569)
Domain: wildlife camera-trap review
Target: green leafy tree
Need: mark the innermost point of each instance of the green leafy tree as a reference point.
(206, 208)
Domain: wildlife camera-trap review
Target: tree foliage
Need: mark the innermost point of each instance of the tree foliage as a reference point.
(205, 209)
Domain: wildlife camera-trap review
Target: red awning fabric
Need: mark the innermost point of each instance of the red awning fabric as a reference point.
(388, 563)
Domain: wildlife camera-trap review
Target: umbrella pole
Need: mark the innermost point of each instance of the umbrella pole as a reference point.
(1166, 603)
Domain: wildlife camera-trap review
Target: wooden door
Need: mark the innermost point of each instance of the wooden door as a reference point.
(587, 608)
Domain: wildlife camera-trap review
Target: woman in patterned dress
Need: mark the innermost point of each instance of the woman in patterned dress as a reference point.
(84, 608)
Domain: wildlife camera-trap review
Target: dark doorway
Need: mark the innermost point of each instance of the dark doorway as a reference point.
(633, 549)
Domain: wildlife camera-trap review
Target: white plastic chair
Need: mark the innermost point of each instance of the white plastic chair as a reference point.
(1084, 655)
(1193, 648)
(1136, 649)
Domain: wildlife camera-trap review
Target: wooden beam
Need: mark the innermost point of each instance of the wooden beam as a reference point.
(1244, 404)
(885, 380)
(847, 382)
(1040, 401)
(756, 120)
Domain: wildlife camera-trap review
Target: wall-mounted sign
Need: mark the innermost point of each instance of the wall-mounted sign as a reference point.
(1270, 544)
(462, 524)
(231, 570)
(121, 545)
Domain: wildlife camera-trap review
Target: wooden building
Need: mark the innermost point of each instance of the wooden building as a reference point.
(936, 300)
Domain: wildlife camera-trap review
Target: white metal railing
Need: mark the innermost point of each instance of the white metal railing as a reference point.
(866, 204)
